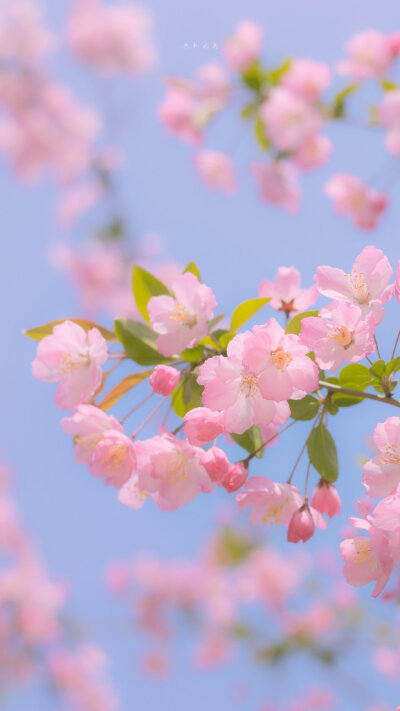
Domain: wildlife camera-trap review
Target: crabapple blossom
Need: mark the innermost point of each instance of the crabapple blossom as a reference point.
(325, 499)
(339, 335)
(73, 358)
(281, 363)
(186, 111)
(213, 82)
(181, 320)
(371, 55)
(201, 425)
(23, 38)
(381, 474)
(232, 388)
(389, 117)
(270, 501)
(79, 677)
(164, 379)
(170, 470)
(216, 170)
(88, 425)
(278, 183)
(113, 458)
(286, 294)
(131, 494)
(235, 477)
(244, 47)
(112, 39)
(351, 197)
(367, 285)
(315, 151)
(289, 119)
(301, 525)
(307, 79)
(216, 463)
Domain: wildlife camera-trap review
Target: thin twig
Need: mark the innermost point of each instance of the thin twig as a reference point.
(358, 393)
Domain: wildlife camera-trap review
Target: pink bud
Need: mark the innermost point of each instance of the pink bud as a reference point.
(394, 44)
(235, 477)
(202, 425)
(326, 499)
(216, 463)
(301, 526)
(164, 379)
(397, 283)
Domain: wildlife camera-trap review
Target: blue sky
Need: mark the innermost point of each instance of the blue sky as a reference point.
(79, 524)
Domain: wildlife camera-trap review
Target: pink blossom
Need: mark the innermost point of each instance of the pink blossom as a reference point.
(281, 362)
(216, 463)
(289, 120)
(214, 83)
(325, 499)
(381, 474)
(113, 458)
(367, 285)
(286, 294)
(301, 525)
(244, 47)
(79, 675)
(186, 111)
(233, 388)
(341, 336)
(270, 501)
(278, 183)
(131, 495)
(397, 283)
(367, 560)
(88, 425)
(181, 321)
(171, 471)
(307, 79)
(389, 117)
(371, 55)
(315, 151)
(202, 425)
(351, 197)
(235, 477)
(23, 38)
(164, 379)
(112, 39)
(216, 170)
(74, 359)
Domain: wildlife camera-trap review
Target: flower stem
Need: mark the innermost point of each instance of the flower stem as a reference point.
(358, 393)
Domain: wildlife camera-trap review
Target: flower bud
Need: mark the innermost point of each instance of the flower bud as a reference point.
(216, 464)
(164, 379)
(326, 499)
(235, 477)
(202, 425)
(301, 526)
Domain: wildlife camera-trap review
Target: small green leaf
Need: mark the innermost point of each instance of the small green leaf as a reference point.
(339, 103)
(193, 269)
(136, 342)
(393, 366)
(145, 286)
(276, 75)
(322, 452)
(187, 395)
(388, 85)
(343, 400)
(261, 134)
(254, 76)
(245, 311)
(122, 388)
(192, 354)
(46, 329)
(250, 440)
(378, 368)
(294, 325)
(249, 110)
(305, 409)
(225, 339)
(355, 376)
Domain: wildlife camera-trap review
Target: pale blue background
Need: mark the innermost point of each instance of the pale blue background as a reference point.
(79, 524)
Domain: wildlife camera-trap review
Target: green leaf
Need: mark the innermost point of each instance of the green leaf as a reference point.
(294, 325)
(254, 76)
(122, 388)
(225, 339)
(378, 368)
(245, 311)
(339, 103)
(193, 269)
(305, 409)
(137, 343)
(145, 286)
(192, 354)
(393, 366)
(249, 110)
(388, 85)
(39, 332)
(261, 134)
(343, 400)
(322, 453)
(355, 376)
(187, 395)
(276, 75)
(113, 231)
(250, 440)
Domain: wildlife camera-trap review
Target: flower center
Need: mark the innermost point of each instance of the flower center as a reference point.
(281, 359)
(115, 456)
(180, 315)
(175, 470)
(343, 336)
(390, 454)
(249, 385)
(287, 306)
(273, 514)
(357, 284)
(362, 551)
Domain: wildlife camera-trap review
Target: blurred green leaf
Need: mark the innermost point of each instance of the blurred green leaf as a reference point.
(294, 325)
(193, 269)
(250, 440)
(339, 103)
(145, 286)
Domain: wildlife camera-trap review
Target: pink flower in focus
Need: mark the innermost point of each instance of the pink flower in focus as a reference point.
(278, 184)
(131, 495)
(235, 477)
(181, 321)
(367, 560)
(301, 526)
(164, 379)
(233, 388)
(307, 79)
(112, 39)
(367, 285)
(381, 474)
(344, 336)
(244, 47)
(216, 463)
(113, 458)
(270, 501)
(216, 170)
(286, 294)
(315, 151)
(389, 117)
(281, 362)
(289, 120)
(351, 197)
(202, 425)
(371, 55)
(325, 499)
(73, 358)
(88, 425)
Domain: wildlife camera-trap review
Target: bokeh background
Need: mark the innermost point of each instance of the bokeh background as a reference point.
(79, 525)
